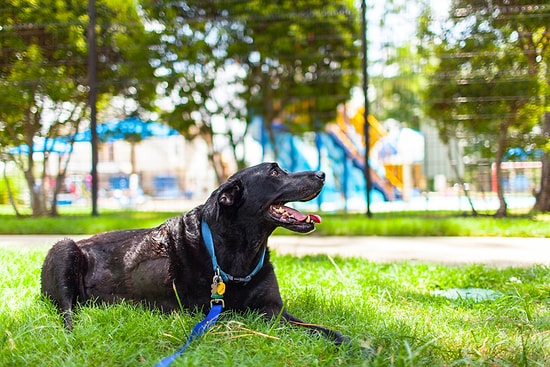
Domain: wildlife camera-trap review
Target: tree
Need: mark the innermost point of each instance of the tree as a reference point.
(278, 60)
(301, 60)
(43, 85)
(526, 22)
(399, 94)
(543, 195)
(484, 84)
(191, 61)
(396, 63)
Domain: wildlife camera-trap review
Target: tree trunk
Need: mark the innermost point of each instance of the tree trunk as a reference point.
(241, 163)
(59, 179)
(269, 116)
(37, 195)
(214, 156)
(133, 162)
(543, 195)
(10, 193)
(503, 131)
(36, 191)
(56, 191)
(460, 180)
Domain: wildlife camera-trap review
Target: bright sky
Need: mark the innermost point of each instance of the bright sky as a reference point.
(397, 28)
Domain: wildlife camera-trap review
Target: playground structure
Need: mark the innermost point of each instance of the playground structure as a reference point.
(395, 155)
(395, 158)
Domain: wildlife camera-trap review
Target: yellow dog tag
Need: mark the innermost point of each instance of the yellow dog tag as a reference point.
(221, 288)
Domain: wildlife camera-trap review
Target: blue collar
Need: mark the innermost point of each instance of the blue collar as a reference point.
(209, 243)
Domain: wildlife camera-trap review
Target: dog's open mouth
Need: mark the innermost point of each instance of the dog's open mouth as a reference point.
(293, 219)
(289, 215)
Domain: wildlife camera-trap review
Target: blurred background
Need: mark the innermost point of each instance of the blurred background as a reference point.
(187, 92)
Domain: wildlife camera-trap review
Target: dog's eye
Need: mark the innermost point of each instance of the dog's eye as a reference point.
(274, 173)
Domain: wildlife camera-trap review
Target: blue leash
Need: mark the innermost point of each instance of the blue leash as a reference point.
(197, 331)
(209, 243)
(216, 304)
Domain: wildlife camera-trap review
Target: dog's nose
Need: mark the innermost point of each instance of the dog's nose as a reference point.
(320, 175)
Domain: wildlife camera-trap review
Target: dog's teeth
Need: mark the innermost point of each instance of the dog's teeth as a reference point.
(308, 219)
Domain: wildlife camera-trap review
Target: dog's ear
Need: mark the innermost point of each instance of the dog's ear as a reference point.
(231, 193)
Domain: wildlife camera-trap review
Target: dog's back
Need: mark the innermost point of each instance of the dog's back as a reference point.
(131, 265)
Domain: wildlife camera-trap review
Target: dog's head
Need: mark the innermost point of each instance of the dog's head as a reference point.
(257, 196)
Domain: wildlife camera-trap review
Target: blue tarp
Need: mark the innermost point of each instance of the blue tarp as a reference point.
(122, 129)
(107, 132)
(41, 145)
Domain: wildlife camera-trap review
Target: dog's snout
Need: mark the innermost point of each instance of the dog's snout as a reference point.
(320, 175)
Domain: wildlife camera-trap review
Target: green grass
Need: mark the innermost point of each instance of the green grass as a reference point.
(434, 224)
(382, 224)
(81, 223)
(389, 307)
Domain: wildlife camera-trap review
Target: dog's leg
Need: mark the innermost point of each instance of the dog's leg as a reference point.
(61, 277)
(277, 310)
(334, 335)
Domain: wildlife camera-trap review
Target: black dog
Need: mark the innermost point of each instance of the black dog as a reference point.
(147, 265)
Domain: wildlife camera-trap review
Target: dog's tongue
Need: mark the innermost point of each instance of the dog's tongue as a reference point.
(301, 217)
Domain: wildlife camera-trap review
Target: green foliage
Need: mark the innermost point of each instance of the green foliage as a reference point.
(399, 95)
(4, 194)
(301, 59)
(43, 72)
(480, 85)
(390, 308)
(434, 224)
(490, 85)
(82, 223)
(292, 58)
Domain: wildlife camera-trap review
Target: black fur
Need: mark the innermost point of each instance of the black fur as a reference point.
(144, 265)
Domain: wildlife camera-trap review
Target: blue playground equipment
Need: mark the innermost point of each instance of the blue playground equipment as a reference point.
(345, 187)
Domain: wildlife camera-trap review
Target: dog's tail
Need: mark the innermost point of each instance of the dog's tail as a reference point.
(62, 273)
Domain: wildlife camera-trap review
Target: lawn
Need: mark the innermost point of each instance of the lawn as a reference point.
(393, 308)
(399, 310)
(382, 224)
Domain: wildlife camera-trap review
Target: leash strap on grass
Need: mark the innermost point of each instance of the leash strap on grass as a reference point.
(197, 331)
